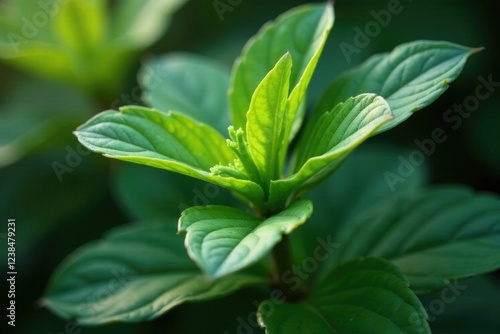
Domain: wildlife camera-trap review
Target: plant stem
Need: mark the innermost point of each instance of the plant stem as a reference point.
(282, 258)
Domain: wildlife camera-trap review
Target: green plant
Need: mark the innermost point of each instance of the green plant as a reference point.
(411, 244)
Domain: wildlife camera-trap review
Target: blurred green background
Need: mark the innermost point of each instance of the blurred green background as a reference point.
(62, 197)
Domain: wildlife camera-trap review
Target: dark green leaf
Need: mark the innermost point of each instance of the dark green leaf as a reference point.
(136, 273)
(432, 236)
(336, 203)
(366, 295)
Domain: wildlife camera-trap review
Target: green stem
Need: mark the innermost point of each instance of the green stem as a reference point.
(282, 258)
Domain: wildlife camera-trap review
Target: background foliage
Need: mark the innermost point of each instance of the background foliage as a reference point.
(54, 217)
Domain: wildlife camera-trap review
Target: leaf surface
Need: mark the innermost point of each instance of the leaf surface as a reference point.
(302, 32)
(168, 141)
(433, 236)
(410, 78)
(222, 239)
(265, 126)
(337, 133)
(365, 296)
(136, 273)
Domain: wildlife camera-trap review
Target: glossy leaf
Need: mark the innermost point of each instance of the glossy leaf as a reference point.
(168, 141)
(222, 240)
(189, 84)
(265, 127)
(136, 273)
(302, 32)
(410, 78)
(366, 295)
(432, 236)
(337, 133)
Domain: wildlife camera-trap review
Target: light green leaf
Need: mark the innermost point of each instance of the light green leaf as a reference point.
(265, 126)
(168, 141)
(223, 240)
(302, 32)
(137, 24)
(363, 296)
(432, 236)
(337, 133)
(189, 84)
(410, 78)
(88, 43)
(136, 273)
(81, 24)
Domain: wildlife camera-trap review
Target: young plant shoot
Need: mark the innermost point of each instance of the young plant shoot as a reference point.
(412, 244)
